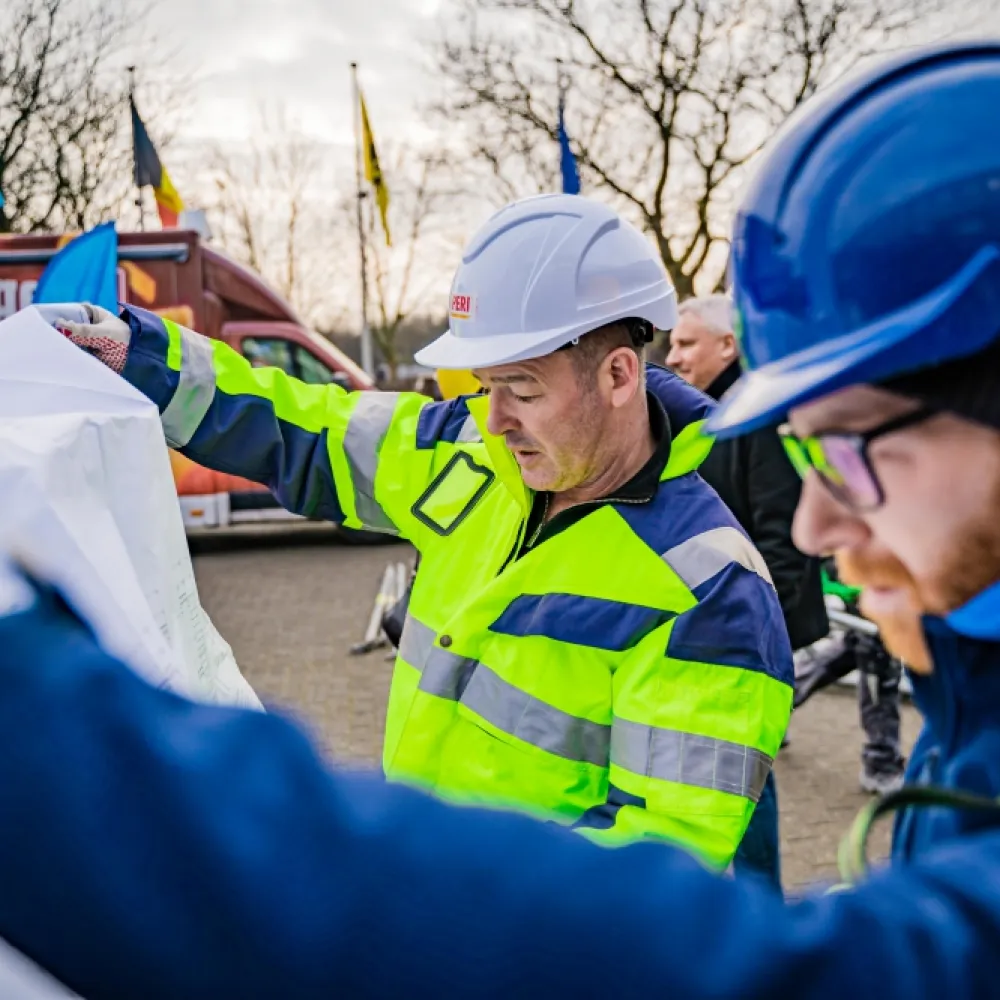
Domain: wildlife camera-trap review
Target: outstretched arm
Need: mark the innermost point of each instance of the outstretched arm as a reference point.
(156, 848)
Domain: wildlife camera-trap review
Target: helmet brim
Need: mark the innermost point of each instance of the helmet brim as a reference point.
(449, 352)
(915, 337)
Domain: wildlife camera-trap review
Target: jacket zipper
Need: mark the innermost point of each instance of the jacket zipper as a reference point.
(516, 546)
(520, 545)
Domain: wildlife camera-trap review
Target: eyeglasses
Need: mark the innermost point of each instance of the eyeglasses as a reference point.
(842, 462)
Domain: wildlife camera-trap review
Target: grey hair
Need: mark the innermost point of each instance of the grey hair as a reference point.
(715, 311)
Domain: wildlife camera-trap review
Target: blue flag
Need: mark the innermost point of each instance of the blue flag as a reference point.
(85, 270)
(567, 161)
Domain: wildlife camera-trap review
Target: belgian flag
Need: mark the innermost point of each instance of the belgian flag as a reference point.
(149, 171)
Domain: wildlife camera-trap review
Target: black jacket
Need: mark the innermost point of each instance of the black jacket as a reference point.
(757, 483)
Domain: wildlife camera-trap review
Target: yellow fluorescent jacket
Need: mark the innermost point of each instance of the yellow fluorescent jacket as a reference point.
(630, 676)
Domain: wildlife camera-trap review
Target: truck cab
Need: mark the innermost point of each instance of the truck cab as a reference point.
(174, 274)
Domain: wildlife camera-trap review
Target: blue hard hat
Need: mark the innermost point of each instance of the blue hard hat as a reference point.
(868, 241)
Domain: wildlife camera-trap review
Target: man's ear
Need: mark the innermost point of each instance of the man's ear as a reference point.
(623, 368)
(729, 348)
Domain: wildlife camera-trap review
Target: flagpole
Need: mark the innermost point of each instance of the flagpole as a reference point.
(367, 355)
(135, 171)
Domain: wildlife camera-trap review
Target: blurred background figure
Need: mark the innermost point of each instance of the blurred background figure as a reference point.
(757, 483)
(879, 676)
(752, 474)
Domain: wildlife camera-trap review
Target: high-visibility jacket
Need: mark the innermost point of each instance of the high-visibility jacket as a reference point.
(631, 675)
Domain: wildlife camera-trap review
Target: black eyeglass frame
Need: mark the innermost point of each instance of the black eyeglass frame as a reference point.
(860, 442)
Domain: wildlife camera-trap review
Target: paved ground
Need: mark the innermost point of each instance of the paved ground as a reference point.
(291, 602)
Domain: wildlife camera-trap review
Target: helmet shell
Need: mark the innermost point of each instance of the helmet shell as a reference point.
(542, 272)
(867, 244)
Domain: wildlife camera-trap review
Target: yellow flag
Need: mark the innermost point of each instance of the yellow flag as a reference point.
(373, 171)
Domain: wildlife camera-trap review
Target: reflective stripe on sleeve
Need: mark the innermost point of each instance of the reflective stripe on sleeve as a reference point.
(687, 759)
(195, 387)
(366, 430)
(700, 558)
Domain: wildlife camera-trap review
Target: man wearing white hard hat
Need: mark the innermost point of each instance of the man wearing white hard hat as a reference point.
(591, 637)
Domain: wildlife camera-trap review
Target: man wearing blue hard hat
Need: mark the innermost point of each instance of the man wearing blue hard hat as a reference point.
(866, 274)
(153, 848)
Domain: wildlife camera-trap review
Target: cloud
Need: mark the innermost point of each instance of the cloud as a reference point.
(297, 52)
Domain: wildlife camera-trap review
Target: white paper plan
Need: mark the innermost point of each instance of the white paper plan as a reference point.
(87, 499)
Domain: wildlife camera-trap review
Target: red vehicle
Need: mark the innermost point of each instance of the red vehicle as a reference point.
(174, 274)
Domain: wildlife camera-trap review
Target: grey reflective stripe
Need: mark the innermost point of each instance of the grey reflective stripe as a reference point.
(469, 434)
(700, 558)
(195, 390)
(514, 711)
(416, 642)
(366, 430)
(446, 674)
(700, 761)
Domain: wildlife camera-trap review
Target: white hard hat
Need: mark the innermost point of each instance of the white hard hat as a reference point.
(542, 272)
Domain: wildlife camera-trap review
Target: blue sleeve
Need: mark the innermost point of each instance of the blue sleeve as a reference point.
(259, 424)
(153, 848)
(355, 458)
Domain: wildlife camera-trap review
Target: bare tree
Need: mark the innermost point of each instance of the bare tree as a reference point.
(268, 210)
(401, 277)
(64, 148)
(667, 100)
(270, 206)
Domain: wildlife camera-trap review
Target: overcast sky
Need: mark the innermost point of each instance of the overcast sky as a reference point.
(298, 52)
(239, 54)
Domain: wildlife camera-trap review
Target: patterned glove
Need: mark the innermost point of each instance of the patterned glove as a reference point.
(93, 330)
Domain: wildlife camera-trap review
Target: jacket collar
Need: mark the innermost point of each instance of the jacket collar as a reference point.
(642, 487)
(963, 691)
(980, 617)
(724, 381)
(962, 694)
(683, 408)
(686, 408)
(501, 458)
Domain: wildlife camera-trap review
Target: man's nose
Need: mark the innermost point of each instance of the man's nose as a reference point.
(822, 524)
(499, 421)
(673, 358)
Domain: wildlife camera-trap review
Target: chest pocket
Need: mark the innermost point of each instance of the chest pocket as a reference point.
(453, 494)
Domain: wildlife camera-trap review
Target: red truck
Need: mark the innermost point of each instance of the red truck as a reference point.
(174, 274)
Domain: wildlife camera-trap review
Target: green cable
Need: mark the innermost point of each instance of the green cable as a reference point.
(852, 858)
(830, 586)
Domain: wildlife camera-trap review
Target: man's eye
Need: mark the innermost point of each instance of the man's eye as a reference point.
(524, 399)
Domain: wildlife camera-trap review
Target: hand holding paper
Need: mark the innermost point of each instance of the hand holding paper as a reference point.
(93, 329)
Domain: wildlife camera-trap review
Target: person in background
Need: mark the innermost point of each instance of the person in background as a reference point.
(879, 675)
(757, 483)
